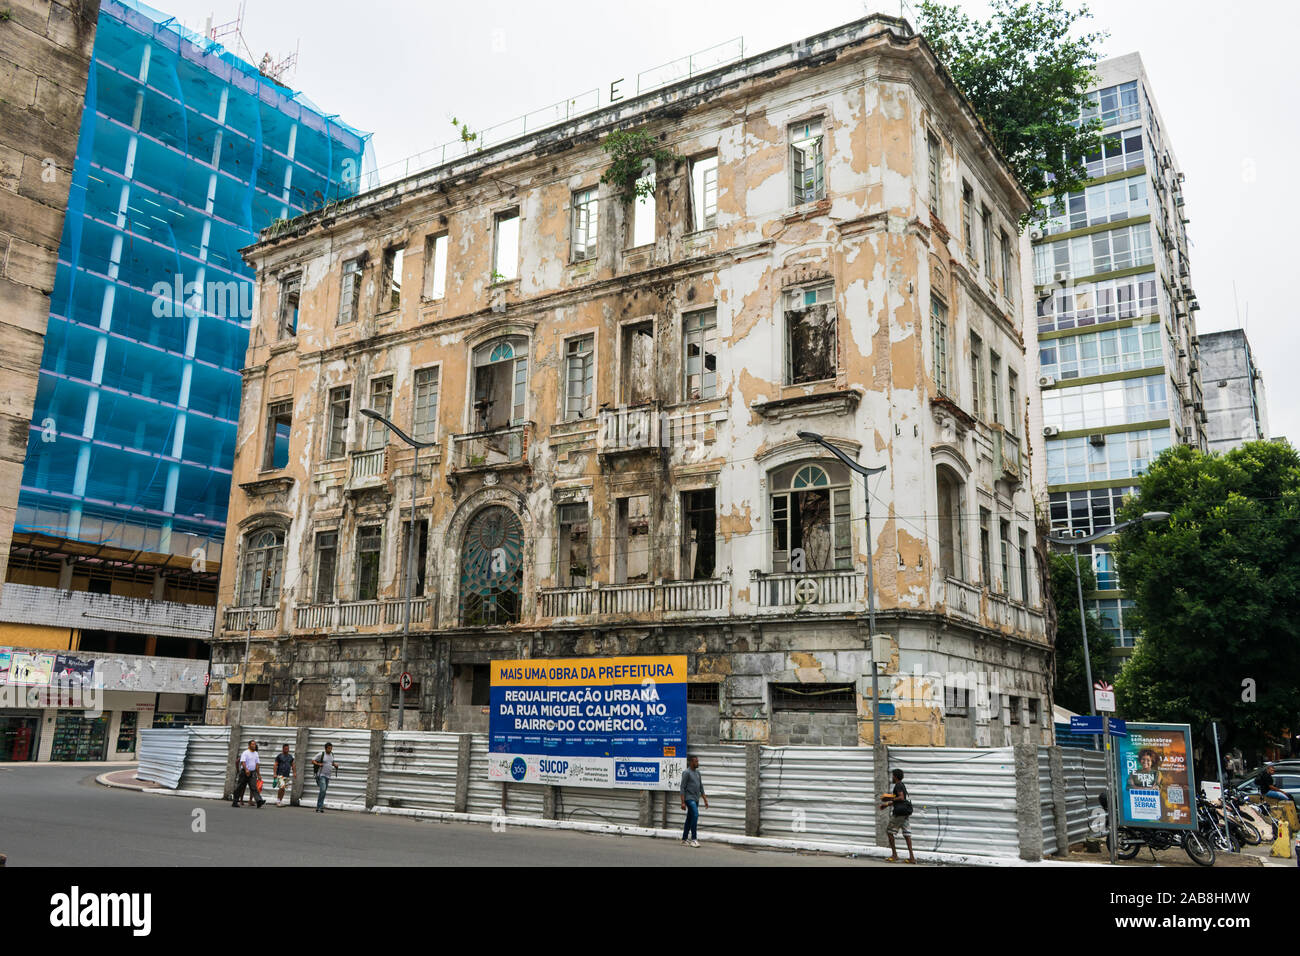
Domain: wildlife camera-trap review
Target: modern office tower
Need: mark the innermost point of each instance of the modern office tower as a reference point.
(1234, 390)
(1117, 350)
(185, 152)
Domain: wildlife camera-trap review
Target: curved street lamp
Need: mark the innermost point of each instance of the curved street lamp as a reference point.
(410, 549)
(866, 473)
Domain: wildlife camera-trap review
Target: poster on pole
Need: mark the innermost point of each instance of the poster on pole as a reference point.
(617, 722)
(1156, 782)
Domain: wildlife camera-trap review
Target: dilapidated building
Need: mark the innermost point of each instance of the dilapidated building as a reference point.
(827, 242)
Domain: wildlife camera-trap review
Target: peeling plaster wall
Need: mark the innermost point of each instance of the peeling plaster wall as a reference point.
(872, 237)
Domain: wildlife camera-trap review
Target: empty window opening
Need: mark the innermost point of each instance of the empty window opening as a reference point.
(810, 518)
(411, 700)
(699, 529)
(632, 545)
(505, 250)
(421, 560)
(390, 286)
(701, 692)
(368, 544)
(290, 296)
(327, 550)
(810, 322)
(435, 267)
(950, 533)
(643, 208)
(986, 565)
(638, 363)
(574, 546)
(279, 421)
(704, 192)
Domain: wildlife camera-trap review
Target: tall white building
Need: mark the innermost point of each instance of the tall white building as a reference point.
(1117, 372)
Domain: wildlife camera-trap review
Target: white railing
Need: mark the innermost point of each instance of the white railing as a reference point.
(367, 464)
(962, 599)
(667, 597)
(311, 616)
(33, 604)
(360, 613)
(810, 589)
(629, 429)
(694, 596)
(395, 610)
(498, 446)
(1001, 613)
(263, 618)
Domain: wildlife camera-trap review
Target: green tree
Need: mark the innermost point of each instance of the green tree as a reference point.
(1070, 689)
(1217, 591)
(1025, 75)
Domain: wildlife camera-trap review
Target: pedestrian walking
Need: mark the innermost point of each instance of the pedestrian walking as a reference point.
(325, 767)
(692, 794)
(900, 816)
(283, 773)
(248, 766)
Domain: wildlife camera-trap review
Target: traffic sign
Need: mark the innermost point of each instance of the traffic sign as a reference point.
(1087, 725)
(1116, 727)
(1104, 696)
(406, 681)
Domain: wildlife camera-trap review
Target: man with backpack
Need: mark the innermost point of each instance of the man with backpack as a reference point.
(324, 767)
(900, 816)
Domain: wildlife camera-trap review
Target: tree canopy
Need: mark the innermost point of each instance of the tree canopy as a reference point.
(1217, 591)
(1026, 76)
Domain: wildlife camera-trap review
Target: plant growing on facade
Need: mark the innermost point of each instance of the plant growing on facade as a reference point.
(630, 152)
(462, 130)
(1026, 77)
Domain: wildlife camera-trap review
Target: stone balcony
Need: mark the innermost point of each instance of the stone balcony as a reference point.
(664, 600)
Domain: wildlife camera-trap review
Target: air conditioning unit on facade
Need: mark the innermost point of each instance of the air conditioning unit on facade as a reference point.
(1097, 440)
(1050, 431)
(1046, 381)
(1062, 276)
(1035, 233)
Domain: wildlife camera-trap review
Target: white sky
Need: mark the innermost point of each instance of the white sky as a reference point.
(1223, 75)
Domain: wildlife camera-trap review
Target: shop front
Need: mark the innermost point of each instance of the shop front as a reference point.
(19, 735)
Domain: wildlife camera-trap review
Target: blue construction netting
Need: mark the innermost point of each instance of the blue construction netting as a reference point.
(185, 152)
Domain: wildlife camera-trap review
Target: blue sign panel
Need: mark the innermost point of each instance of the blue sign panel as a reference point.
(597, 722)
(1116, 727)
(1087, 725)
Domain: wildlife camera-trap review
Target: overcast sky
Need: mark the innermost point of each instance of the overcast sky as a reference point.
(1223, 75)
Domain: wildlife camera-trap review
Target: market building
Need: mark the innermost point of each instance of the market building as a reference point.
(610, 390)
(125, 410)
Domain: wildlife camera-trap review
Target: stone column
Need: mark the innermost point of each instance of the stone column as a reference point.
(752, 806)
(232, 754)
(301, 766)
(880, 773)
(1029, 820)
(1059, 818)
(463, 744)
(372, 769)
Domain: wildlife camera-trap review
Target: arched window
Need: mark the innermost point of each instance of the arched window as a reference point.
(259, 584)
(500, 383)
(492, 568)
(951, 546)
(810, 517)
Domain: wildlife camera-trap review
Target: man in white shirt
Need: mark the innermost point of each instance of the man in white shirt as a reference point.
(248, 763)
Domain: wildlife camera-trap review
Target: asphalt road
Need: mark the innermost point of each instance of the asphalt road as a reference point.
(57, 815)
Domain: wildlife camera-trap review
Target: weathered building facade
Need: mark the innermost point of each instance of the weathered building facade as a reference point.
(612, 391)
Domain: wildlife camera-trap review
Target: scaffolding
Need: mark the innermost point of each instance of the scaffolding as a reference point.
(185, 152)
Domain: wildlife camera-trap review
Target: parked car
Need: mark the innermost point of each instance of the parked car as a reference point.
(1284, 778)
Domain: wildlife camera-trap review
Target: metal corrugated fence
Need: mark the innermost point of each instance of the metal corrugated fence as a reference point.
(593, 805)
(269, 741)
(1045, 804)
(418, 770)
(825, 794)
(162, 756)
(522, 799)
(722, 770)
(206, 760)
(964, 799)
(1085, 780)
(352, 751)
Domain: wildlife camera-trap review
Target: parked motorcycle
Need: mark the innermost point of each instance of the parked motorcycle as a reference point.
(1131, 840)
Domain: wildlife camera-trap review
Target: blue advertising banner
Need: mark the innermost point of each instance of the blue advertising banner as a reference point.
(592, 722)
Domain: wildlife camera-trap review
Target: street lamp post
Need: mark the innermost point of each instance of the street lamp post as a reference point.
(1111, 794)
(866, 473)
(410, 550)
